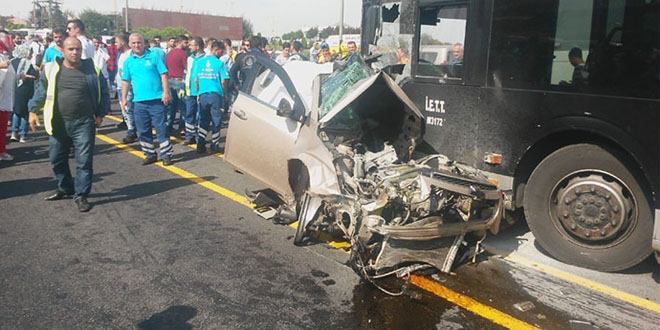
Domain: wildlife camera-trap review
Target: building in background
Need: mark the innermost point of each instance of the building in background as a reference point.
(197, 24)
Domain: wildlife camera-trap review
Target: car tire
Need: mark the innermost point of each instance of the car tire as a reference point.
(586, 208)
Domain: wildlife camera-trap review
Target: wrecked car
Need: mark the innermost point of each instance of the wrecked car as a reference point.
(337, 143)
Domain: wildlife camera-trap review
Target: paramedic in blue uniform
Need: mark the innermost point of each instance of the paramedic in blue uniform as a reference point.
(210, 76)
(145, 72)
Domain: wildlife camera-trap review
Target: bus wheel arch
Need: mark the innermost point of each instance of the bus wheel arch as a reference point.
(599, 219)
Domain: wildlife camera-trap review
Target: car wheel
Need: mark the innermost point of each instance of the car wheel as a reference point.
(586, 208)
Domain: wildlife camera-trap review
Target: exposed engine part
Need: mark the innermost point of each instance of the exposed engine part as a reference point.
(402, 217)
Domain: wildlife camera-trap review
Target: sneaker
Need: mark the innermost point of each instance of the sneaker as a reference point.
(122, 126)
(6, 156)
(188, 141)
(201, 149)
(25, 139)
(129, 138)
(182, 132)
(14, 137)
(167, 161)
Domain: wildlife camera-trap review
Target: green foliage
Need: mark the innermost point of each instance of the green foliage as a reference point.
(147, 33)
(172, 31)
(12, 26)
(291, 36)
(312, 33)
(48, 17)
(429, 40)
(97, 24)
(248, 30)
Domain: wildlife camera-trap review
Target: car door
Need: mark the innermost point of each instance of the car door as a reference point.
(264, 124)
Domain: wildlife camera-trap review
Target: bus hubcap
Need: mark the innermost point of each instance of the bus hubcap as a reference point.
(592, 208)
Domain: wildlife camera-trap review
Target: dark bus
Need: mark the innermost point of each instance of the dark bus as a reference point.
(557, 100)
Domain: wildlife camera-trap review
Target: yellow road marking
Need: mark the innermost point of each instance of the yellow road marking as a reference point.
(119, 120)
(429, 285)
(184, 174)
(434, 287)
(470, 304)
(595, 286)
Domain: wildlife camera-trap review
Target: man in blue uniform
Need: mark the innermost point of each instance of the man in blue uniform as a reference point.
(146, 73)
(210, 75)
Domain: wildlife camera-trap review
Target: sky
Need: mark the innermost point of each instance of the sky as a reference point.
(270, 17)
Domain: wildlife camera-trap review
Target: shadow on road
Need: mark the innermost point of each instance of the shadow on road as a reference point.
(143, 189)
(173, 318)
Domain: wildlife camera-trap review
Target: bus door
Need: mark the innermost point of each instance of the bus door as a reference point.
(448, 73)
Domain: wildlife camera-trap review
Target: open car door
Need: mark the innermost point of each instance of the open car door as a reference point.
(264, 125)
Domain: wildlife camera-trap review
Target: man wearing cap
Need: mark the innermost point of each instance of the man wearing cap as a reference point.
(324, 55)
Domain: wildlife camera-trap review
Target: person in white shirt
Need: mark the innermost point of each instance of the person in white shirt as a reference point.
(76, 28)
(100, 55)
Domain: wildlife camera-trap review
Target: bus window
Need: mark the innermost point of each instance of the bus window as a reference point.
(441, 40)
(573, 32)
(605, 47)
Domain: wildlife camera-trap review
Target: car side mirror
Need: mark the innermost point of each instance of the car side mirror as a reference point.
(284, 108)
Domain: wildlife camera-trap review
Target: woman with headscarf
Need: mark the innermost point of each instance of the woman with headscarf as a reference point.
(7, 85)
(26, 74)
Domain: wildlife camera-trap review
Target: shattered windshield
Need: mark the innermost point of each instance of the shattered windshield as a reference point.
(333, 88)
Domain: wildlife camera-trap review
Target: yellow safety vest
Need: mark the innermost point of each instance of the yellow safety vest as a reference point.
(51, 70)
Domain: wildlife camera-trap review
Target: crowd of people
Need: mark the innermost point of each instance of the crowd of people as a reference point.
(182, 87)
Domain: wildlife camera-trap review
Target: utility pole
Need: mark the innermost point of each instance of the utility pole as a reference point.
(126, 18)
(46, 9)
(341, 27)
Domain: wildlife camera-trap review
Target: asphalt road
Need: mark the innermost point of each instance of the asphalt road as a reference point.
(177, 248)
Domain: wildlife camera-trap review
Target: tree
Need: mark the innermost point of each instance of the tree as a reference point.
(328, 31)
(173, 31)
(427, 39)
(96, 23)
(147, 33)
(248, 30)
(47, 16)
(312, 33)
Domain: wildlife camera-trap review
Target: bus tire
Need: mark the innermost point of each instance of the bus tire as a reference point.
(586, 208)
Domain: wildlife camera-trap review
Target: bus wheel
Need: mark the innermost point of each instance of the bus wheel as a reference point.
(587, 209)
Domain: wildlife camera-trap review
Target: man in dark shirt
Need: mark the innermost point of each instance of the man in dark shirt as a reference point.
(175, 62)
(244, 62)
(112, 62)
(74, 96)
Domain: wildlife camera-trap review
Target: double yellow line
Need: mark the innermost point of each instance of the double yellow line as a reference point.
(424, 283)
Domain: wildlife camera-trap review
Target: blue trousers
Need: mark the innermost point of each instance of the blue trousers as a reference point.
(80, 133)
(19, 123)
(210, 114)
(192, 113)
(146, 113)
(177, 104)
(129, 116)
